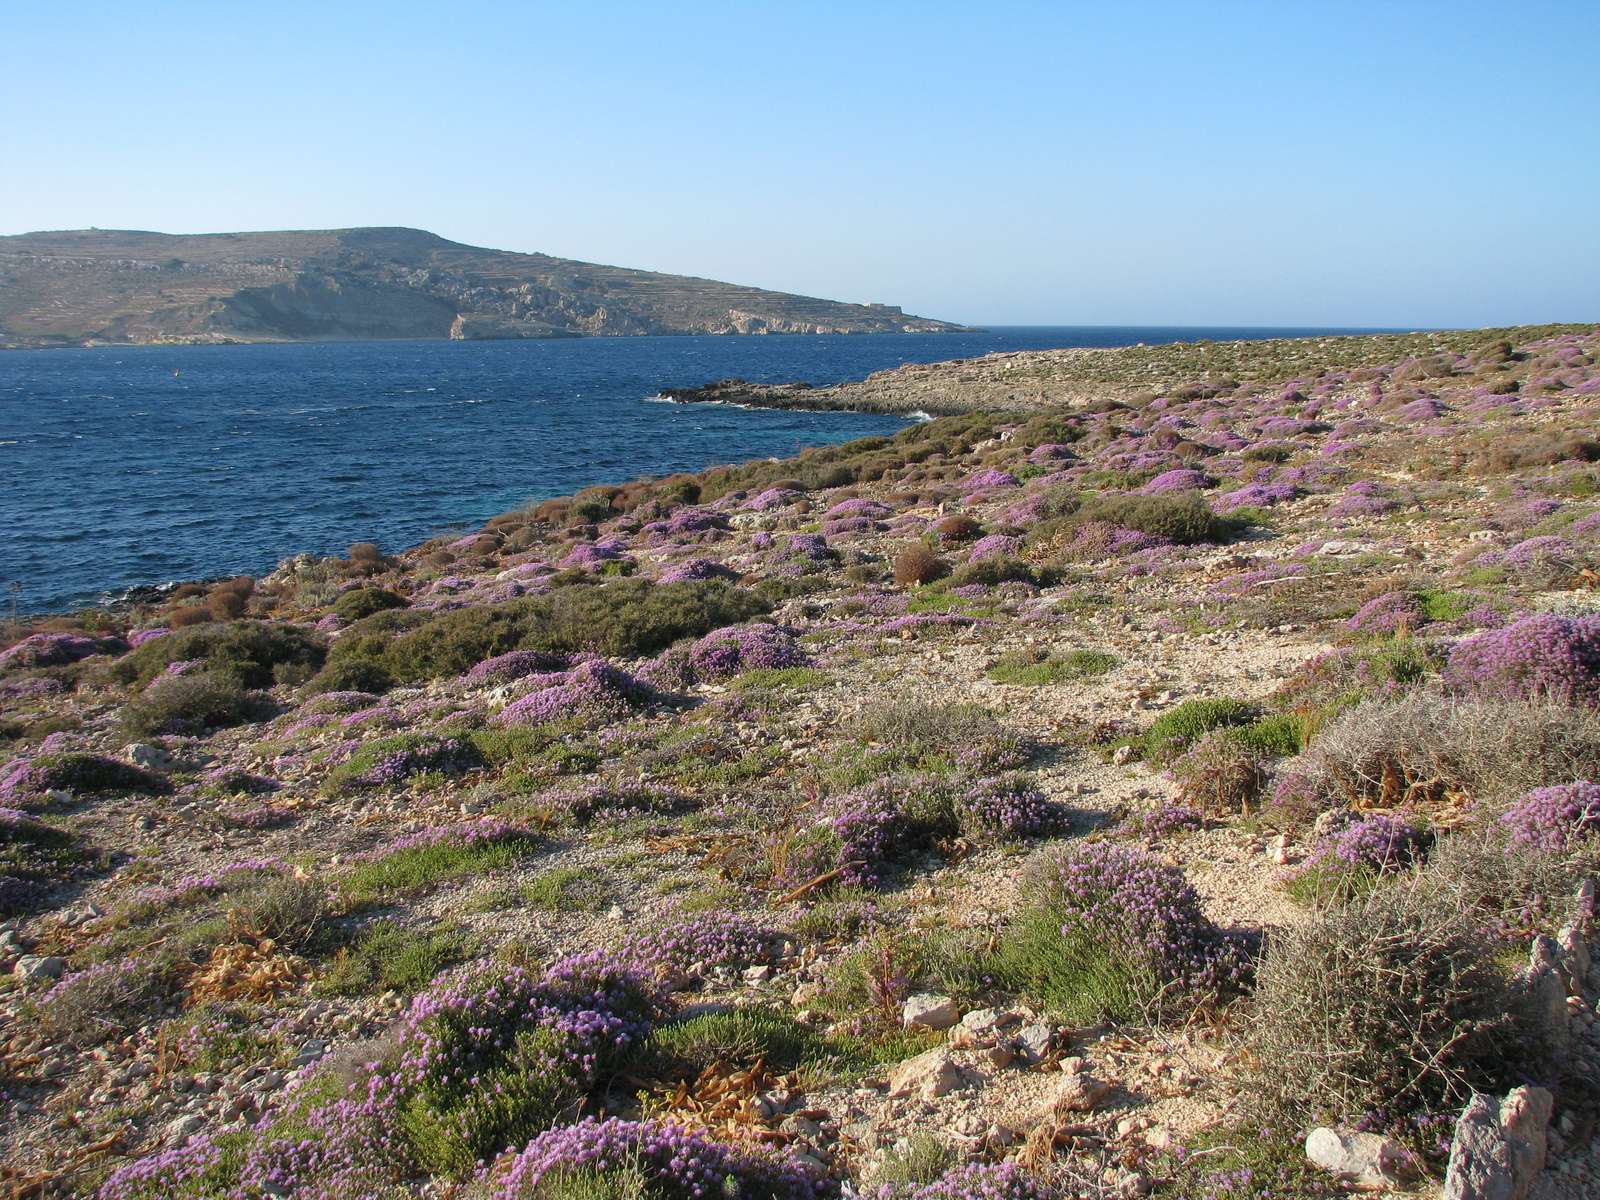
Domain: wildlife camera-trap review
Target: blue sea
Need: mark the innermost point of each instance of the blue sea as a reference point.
(123, 466)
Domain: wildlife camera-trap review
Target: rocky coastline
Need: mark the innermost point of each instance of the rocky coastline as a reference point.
(1166, 771)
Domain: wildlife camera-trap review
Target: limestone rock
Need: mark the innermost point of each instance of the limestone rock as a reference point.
(1363, 1159)
(1080, 1093)
(1524, 1118)
(29, 967)
(927, 1011)
(151, 758)
(1499, 1146)
(929, 1075)
(1033, 1042)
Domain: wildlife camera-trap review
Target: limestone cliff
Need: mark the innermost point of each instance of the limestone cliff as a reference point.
(106, 285)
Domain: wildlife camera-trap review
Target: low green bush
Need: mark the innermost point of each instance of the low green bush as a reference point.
(625, 618)
(993, 571)
(1185, 518)
(363, 602)
(1176, 730)
(251, 653)
(191, 703)
(740, 1038)
(388, 956)
(350, 675)
(1035, 669)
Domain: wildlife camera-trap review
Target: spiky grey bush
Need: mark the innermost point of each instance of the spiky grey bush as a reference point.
(1426, 746)
(1392, 1002)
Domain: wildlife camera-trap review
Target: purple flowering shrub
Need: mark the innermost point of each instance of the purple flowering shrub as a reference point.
(1349, 860)
(1107, 929)
(1387, 614)
(844, 525)
(705, 940)
(667, 1163)
(737, 648)
(392, 760)
(1159, 823)
(582, 805)
(34, 858)
(103, 1000)
(504, 668)
(490, 1058)
(592, 693)
(989, 479)
(1346, 676)
(1008, 805)
(1540, 658)
(695, 570)
(1551, 819)
(57, 650)
(1180, 480)
(970, 1181)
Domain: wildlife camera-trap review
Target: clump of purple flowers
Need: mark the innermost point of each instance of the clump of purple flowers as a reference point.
(1375, 845)
(1540, 658)
(995, 545)
(1181, 480)
(992, 478)
(339, 703)
(585, 804)
(57, 650)
(503, 668)
(1551, 819)
(1009, 805)
(695, 570)
(424, 754)
(491, 1057)
(708, 940)
(1161, 822)
(971, 1181)
(1255, 495)
(592, 692)
(676, 1164)
(1387, 614)
(738, 648)
(1131, 904)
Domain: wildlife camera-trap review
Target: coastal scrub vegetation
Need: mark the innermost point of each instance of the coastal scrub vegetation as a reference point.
(1218, 745)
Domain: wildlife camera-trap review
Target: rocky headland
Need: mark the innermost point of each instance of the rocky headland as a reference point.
(1187, 786)
(117, 286)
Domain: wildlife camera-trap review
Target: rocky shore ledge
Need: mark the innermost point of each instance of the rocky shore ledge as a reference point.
(1190, 790)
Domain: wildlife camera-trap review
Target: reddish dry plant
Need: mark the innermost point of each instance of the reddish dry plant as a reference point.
(919, 565)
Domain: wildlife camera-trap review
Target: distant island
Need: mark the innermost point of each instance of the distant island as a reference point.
(117, 286)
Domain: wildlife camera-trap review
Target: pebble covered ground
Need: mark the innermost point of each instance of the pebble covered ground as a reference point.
(1347, 485)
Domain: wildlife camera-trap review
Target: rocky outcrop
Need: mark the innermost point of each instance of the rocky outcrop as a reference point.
(125, 286)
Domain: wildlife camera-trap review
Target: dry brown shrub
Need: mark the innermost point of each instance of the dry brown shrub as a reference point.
(187, 591)
(552, 511)
(958, 528)
(1539, 450)
(365, 552)
(182, 618)
(919, 565)
(1220, 775)
(225, 605)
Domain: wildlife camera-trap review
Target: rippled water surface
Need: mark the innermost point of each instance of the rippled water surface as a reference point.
(129, 465)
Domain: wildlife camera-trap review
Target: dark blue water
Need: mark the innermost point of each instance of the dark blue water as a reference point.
(122, 466)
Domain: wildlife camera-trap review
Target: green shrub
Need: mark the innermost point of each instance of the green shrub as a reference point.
(1173, 732)
(363, 602)
(90, 773)
(1077, 975)
(387, 955)
(992, 571)
(1185, 518)
(1037, 668)
(625, 618)
(1278, 734)
(250, 652)
(191, 703)
(422, 866)
(775, 679)
(350, 675)
(568, 889)
(741, 1038)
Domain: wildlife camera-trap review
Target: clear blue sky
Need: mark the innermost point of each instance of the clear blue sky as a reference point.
(1291, 162)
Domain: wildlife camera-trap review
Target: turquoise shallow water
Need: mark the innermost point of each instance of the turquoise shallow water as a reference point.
(131, 465)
